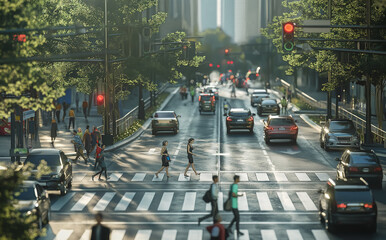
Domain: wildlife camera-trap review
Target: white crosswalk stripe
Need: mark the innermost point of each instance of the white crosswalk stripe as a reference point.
(195, 235)
(280, 177)
(166, 201)
(189, 201)
(143, 235)
(264, 202)
(138, 177)
(104, 201)
(268, 234)
(322, 176)
(169, 234)
(160, 177)
(303, 177)
(205, 177)
(286, 201)
(114, 177)
(146, 201)
(78, 177)
(125, 201)
(306, 201)
(294, 234)
(182, 178)
(320, 235)
(243, 177)
(243, 202)
(244, 237)
(83, 201)
(262, 177)
(63, 234)
(117, 234)
(62, 201)
(86, 235)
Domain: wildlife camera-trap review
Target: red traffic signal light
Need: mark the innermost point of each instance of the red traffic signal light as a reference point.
(100, 99)
(226, 50)
(20, 37)
(288, 27)
(288, 36)
(210, 64)
(218, 65)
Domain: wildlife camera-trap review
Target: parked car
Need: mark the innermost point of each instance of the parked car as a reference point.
(268, 105)
(256, 97)
(60, 177)
(280, 127)
(339, 134)
(5, 127)
(165, 121)
(348, 201)
(33, 200)
(207, 103)
(360, 163)
(213, 90)
(239, 118)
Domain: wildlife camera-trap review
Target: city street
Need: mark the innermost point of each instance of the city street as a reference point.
(279, 181)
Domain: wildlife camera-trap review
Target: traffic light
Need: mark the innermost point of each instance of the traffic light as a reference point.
(189, 51)
(288, 36)
(100, 99)
(218, 65)
(226, 52)
(210, 64)
(20, 38)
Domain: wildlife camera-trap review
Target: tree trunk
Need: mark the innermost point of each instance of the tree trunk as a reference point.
(90, 97)
(379, 103)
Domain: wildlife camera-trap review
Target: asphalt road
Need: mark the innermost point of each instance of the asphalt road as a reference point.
(280, 182)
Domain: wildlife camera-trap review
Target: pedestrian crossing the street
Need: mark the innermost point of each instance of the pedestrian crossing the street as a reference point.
(277, 176)
(198, 234)
(180, 201)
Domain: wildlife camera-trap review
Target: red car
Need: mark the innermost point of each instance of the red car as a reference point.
(280, 127)
(5, 127)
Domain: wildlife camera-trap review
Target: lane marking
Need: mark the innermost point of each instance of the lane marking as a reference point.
(205, 177)
(146, 201)
(268, 234)
(138, 177)
(265, 152)
(243, 176)
(262, 177)
(182, 178)
(104, 201)
(62, 201)
(159, 179)
(320, 235)
(243, 202)
(189, 201)
(176, 152)
(195, 235)
(286, 201)
(86, 235)
(166, 201)
(308, 204)
(244, 237)
(117, 234)
(264, 202)
(114, 177)
(303, 177)
(125, 201)
(294, 234)
(63, 234)
(143, 235)
(322, 176)
(91, 222)
(169, 234)
(280, 177)
(83, 201)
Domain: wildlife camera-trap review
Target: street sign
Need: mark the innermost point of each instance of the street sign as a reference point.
(28, 114)
(19, 152)
(316, 26)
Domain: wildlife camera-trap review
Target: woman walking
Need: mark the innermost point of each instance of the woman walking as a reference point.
(189, 150)
(54, 131)
(102, 164)
(87, 141)
(165, 159)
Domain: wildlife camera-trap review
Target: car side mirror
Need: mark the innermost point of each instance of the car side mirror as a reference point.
(337, 159)
(320, 191)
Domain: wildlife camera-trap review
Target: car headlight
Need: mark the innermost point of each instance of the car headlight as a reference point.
(331, 137)
(28, 213)
(56, 176)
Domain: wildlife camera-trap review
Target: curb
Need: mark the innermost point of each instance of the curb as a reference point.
(139, 132)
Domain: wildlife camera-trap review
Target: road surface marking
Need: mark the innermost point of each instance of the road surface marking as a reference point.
(166, 201)
(286, 201)
(243, 202)
(189, 201)
(243, 177)
(268, 234)
(176, 152)
(104, 201)
(322, 176)
(320, 235)
(78, 177)
(114, 177)
(125, 201)
(280, 177)
(262, 177)
(308, 204)
(117, 234)
(264, 202)
(62, 201)
(294, 235)
(83, 201)
(265, 152)
(169, 234)
(182, 178)
(138, 177)
(195, 235)
(151, 150)
(303, 177)
(86, 235)
(205, 177)
(63, 234)
(146, 201)
(160, 177)
(143, 235)
(244, 237)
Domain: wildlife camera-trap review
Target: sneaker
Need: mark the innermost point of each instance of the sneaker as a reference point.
(107, 178)
(240, 233)
(92, 178)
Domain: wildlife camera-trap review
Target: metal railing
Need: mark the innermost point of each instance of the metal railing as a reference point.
(378, 134)
(126, 121)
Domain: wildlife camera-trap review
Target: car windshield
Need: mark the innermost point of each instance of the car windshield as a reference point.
(281, 122)
(269, 102)
(52, 160)
(205, 98)
(25, 193)
(239, 114)
(164, 115)
(363, 158)
(354, 196)
(341, 126)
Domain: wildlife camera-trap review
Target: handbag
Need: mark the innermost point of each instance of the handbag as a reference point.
(228, 203)
(168, 159)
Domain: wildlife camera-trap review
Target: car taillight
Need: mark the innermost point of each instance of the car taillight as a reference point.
(199, 98)
(229, 119)
(250, 119)
(377, 169)
(269, 128)
(341, 205)
(294, 128)
(353, 169)
(368, 205)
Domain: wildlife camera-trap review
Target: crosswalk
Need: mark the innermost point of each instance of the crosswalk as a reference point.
(199, 234)
(277, 176)
(181, 201)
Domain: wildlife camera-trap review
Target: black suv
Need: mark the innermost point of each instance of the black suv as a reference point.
(32, 200)
(61, 176)
(348, 201)
(361, 163)
(239, 118)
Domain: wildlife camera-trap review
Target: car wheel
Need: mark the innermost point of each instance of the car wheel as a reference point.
(294, 140)
(69, 185)
(63, 188)
(153, 132)
(379, 184)
(327, 149)
(372, 228)
(175, 131)
(321, 144)
(251, 130)
(228, 131)
(259, 113)
(40, 223)
(321, 219)
(48, 217)
(328, 223)
(267, 141)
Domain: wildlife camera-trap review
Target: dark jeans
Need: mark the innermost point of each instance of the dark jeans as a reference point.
(72, 120)
(236, 218)
(58, 116)
(213, 213)
(100, 173)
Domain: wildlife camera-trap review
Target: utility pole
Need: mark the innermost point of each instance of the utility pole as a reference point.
(141, 103)
(368, 137)
(329, 115)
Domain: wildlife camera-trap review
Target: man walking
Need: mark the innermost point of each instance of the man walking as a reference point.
(102, 164)
(71, 114)
(192, 92)
(79, 147)
(84, 106)
(284, 104)
(58, 107)
(100, 232)
(213, 201)
(217, 230)
(235, 209)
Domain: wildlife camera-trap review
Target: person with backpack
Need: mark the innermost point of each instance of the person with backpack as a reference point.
(217, 230)
(211, 196)
(235, 209)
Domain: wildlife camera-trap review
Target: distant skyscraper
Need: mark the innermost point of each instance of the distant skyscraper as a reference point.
(207, 10)
(228, 17)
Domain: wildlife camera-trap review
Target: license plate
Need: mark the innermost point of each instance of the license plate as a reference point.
(281, 128)
(240, 120)
(365, 170)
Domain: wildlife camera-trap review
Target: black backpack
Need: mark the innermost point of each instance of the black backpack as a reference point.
(208, 195)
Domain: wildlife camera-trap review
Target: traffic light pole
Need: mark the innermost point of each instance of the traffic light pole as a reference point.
(107, 140)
